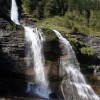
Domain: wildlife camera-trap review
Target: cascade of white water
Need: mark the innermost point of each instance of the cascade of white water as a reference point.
(35, 39)
(14, 12)
(79, 89)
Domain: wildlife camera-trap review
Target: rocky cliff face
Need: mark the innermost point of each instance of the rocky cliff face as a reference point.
(93, 42)
(12, 59)
(14, 74)
(90, 65)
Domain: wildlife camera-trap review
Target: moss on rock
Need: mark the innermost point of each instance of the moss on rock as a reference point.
(49, 34)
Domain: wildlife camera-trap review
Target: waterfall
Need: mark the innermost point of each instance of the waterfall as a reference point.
(14, 12)
(35, 40)
(75, 84)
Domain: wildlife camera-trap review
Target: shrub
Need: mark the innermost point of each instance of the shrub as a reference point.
(88, 51)
(74, 30)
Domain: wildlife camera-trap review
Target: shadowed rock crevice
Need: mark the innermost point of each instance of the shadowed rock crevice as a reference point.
(11, 82)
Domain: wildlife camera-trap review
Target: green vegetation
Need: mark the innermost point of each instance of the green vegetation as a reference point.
(94, 67)
(88, 51)
(13, 27)
(44, 8)
(55, 22)
(76, 43)
(49, 34)
(68, 16)
(73, 22)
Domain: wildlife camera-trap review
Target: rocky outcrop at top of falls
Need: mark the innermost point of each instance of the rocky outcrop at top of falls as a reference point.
(14, 73)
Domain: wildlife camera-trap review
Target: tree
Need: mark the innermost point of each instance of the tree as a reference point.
(62, 6)
(29, 6)
(39, 11)
(51, 8)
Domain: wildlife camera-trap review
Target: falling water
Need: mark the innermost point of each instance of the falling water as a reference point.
(14, 12)
(35, 39)
(76, 86)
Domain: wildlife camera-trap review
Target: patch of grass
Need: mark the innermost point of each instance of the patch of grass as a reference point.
(55, 22)
(73, 22)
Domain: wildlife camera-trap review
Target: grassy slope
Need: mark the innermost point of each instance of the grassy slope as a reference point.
(72, 20)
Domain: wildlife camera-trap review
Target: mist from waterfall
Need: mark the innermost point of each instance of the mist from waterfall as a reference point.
(34, 38)
(14, 12)
(75, 87)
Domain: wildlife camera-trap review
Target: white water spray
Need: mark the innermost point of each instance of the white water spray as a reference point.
(35, 39)
(14, 12)
(79, 89)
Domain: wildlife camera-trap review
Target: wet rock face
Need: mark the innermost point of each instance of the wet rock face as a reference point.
(12, 55)
(93, 42)
(12, 44)
(93, 76)
(85, 59)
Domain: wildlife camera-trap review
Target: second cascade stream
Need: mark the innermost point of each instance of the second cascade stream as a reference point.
(75, 87)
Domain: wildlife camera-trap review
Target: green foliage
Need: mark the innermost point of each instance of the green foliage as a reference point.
(27, 6)
(95, 20)
(44, 8)
(88, 51)
(13, 27)
(39, 11)
(75, 16)
(77, 44)
(49, 34)
(55, 7)
(94, 67)
(55, 22)
(51, 8)
(86, 22)
(74, 30)
(73, 40)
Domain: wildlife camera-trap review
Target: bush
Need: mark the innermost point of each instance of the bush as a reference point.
(88, 51)
(74, 30)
